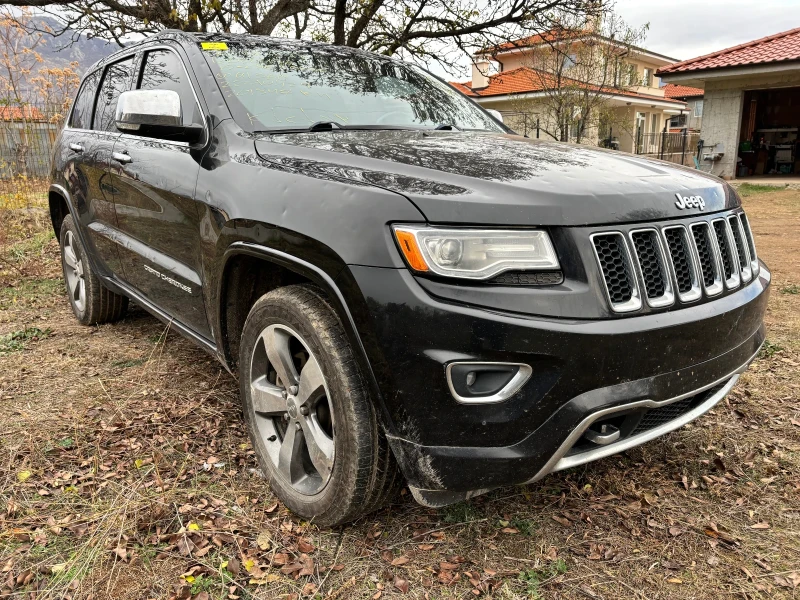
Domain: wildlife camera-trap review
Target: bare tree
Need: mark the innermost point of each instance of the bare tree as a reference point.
(428, 30)
(19, 54)
(577, 67)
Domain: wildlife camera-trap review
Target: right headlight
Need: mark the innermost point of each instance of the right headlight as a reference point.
(474, 253)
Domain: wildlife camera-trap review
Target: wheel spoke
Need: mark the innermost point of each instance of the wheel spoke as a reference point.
(267, 398)
(320, 447)
(311, 381)
(75, 288)
(69, 257)
(276, 342)
(290, 456)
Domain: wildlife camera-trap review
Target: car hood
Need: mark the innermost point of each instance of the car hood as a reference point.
(495, 179)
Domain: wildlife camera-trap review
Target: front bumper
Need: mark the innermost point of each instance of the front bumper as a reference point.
(582, 371)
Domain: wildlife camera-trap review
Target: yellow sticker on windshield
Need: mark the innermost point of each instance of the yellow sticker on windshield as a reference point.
(214, 45)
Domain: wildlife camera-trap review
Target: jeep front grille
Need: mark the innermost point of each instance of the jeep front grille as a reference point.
(675, 262)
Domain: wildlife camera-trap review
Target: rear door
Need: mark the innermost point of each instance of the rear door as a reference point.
(154, 182)
(89, 142)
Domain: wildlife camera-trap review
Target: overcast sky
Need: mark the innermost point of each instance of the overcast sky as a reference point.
(687, 28)
(684, 29)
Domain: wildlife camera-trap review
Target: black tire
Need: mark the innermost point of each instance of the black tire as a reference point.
(93, 303)
(364, 475)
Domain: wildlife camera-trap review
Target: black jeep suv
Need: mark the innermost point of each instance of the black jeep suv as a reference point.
(403, 285)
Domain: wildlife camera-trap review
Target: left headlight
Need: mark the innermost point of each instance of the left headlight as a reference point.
(474, 253)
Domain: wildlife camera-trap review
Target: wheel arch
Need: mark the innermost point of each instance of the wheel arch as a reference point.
(59, 207)
(282, 269)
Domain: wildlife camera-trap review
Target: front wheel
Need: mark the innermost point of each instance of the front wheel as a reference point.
(308, 411)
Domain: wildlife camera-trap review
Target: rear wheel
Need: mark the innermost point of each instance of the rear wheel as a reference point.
(308, 410)
(90, 301)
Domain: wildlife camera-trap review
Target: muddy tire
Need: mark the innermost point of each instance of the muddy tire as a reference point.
(91, 302)
(308, 411)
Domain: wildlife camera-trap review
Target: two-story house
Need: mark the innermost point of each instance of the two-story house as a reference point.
(520, 79)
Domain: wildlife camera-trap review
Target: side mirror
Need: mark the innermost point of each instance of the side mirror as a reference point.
(155, 113)
(495, 113)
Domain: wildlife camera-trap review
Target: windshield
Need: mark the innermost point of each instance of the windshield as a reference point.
(285, 85)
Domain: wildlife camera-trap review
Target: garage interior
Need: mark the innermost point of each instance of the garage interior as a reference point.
(769, 142)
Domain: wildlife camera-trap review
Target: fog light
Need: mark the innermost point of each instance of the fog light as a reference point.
(485, 383)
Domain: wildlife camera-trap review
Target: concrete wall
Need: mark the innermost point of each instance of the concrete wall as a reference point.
(722, 114)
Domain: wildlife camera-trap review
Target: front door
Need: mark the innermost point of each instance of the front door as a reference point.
(154, 182)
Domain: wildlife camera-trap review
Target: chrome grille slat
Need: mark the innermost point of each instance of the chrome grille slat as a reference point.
(708, 258)
(724, 239)
(742, 251)
(684, 265)
(748, 234)
(616, 267)
(652, 266)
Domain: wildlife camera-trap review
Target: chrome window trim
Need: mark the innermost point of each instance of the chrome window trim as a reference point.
(520, 378)
(717, 286)
(668, 297)
(733, 281)
(696, 292)
(746, 271)
(635, 302)
(139, 65)
(751, 243)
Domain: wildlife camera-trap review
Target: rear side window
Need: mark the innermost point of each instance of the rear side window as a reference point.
(84, 103)
(163, 70)
(116, 80)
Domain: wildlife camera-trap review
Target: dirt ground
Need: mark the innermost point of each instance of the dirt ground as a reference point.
(125, 472)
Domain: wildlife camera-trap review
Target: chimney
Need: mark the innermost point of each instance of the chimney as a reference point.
(480, 73)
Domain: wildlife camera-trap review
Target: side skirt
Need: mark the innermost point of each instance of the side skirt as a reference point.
(122, 288)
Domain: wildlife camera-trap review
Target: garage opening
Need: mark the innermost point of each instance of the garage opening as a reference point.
(769, 146)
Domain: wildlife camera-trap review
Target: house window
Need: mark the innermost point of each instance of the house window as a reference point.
(698, 109)
(654, 119)
(647, 78)
(677, 121)
(631, 74)
(570, 60)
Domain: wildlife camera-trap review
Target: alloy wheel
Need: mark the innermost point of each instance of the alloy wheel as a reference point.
(73, 271)
(294, 416)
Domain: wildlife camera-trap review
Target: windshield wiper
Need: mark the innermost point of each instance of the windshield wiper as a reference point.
(446, 127)
(333, 126)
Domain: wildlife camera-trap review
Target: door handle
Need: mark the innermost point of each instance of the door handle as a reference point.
(76, 147)
(121, 157)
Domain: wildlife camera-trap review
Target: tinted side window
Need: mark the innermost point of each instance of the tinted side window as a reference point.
(116, 80)
(84, 103)
(163, 70)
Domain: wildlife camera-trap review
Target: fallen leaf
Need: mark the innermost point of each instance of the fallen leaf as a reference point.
(305, 546)
(401, 584)
(23, 476)
(760, 526)
(264, 540)
(400, 560)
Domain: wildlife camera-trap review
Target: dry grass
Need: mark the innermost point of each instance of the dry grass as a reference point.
(125, 472)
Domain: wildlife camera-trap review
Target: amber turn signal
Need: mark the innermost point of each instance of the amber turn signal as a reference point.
(408, 245)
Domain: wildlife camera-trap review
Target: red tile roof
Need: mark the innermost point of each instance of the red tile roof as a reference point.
(20, 113)
(681, 91)
(526, 80)
(781, 47)
(552, 35)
